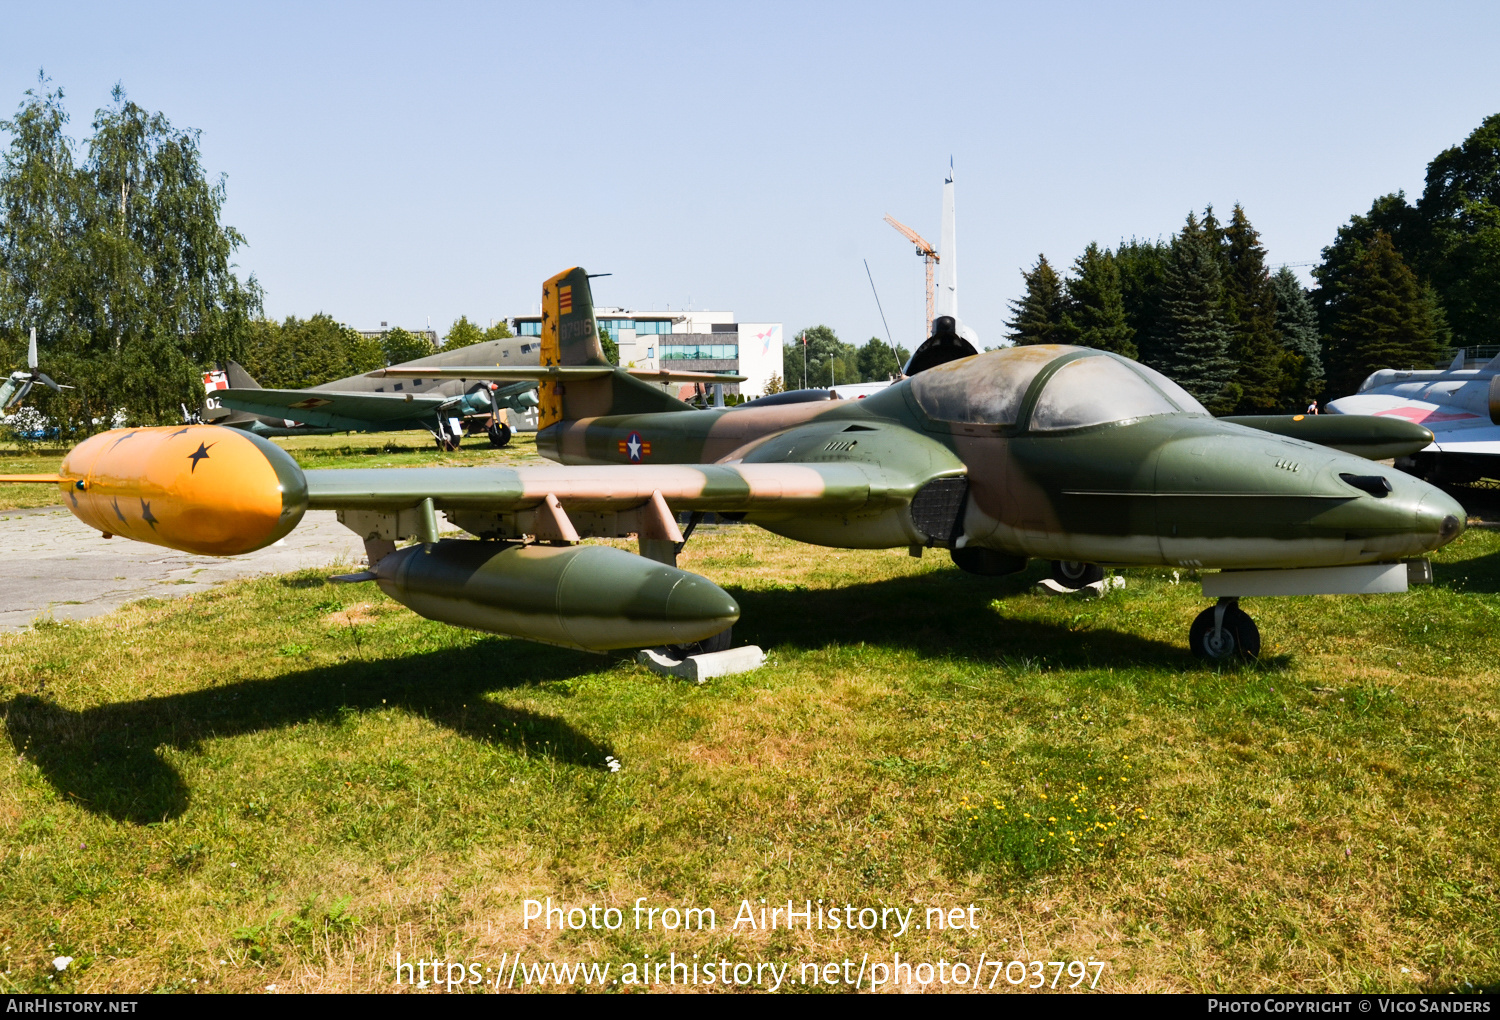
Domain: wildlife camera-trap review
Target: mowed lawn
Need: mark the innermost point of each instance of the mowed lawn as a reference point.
(286, 782)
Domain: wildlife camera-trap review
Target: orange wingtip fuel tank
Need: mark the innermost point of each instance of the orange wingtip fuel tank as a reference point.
(197, 488)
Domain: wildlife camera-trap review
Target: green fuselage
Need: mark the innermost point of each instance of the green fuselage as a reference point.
(1176, 489)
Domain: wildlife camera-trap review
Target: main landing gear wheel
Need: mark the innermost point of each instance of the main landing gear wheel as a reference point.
(719, 642)
(1224, 631)
(1075, 575)
(499, 434)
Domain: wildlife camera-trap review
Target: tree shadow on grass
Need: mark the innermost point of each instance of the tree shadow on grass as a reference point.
(105, 758)
(1479, 575)
(943, 614)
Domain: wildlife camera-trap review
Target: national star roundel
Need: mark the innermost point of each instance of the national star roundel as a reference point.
(634, 447)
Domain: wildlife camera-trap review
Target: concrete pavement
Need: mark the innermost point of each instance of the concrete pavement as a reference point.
(51, 562)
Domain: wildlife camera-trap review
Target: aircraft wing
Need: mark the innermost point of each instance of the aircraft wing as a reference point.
(332, 408)
(559, 373)
(728, 488)
(1482, 440)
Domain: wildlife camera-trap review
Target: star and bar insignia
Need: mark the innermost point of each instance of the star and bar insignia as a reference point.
(634, 447)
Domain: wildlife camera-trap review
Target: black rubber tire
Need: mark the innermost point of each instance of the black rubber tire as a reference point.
(1071, 574)
(987, 562)
(499, 434)
(1240, 637)
(720, 642)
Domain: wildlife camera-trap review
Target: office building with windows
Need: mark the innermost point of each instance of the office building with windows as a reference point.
(701, 341)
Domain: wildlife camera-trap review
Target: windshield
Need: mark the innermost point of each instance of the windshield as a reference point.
(1184, 400)
(986, 389)
(1092, 391)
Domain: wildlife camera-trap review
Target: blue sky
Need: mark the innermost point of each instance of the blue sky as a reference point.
(402, 162)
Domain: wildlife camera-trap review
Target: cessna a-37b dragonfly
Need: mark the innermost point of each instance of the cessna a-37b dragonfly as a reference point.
(1062, 453)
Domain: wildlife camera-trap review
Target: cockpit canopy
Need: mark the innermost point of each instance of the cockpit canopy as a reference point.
(1091, 388)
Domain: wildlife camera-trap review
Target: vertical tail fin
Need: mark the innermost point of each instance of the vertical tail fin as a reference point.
(569, 332)
(231, 376)
(570, 337)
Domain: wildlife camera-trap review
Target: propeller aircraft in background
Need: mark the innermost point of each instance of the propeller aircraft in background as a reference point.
(1072, 455)
(14, 389)
(360, 403)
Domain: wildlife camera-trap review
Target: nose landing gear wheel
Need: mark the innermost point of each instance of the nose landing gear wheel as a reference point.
(1223, 632)
(499, 435)
(1075, 575)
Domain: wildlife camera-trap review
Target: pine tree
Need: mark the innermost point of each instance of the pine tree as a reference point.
(1250, 309)
(1460, 217)
(1038, 315)
(1195, 340)
(1143, 284)
(1297, 324)
(1094, 311)
(1387, 319)
(1389, 213)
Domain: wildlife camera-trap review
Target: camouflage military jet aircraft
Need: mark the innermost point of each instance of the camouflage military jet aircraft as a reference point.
(1061, 453)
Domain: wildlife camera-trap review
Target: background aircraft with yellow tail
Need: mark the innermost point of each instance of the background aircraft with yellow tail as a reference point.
(1061, 453)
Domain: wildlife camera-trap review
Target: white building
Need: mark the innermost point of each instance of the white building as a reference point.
(704, 341)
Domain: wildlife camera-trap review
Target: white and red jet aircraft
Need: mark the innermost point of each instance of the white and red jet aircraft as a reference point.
(1460, 405)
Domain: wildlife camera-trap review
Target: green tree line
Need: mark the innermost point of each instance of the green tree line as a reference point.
(829, 361)
(1203, 308)
(114, 251)
(1398, 288)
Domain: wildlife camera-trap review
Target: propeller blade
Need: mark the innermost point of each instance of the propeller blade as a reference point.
(21, 393)
(31, 351)
(42, 376)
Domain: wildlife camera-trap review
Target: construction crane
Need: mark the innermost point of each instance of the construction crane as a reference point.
(929, 255)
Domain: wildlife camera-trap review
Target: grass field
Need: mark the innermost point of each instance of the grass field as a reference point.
(384, 449)
(285, 783)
